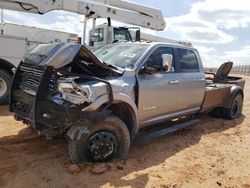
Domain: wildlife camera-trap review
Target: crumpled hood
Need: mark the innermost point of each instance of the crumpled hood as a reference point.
(59, 55)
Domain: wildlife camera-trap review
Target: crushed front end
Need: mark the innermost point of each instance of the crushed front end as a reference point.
(31, 99)
(45, 94)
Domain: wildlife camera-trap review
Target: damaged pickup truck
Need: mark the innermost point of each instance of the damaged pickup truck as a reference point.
(99, 101)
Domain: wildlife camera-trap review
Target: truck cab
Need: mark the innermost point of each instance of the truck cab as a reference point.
(104, 34)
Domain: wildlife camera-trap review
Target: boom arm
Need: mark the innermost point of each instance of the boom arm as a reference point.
(119, 10)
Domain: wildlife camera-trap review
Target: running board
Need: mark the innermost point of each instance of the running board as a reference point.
(165, 131)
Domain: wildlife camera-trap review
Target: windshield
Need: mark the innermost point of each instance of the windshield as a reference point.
(121, 55)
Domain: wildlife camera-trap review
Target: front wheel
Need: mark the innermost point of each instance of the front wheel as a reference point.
(99, 142)
(235, 109)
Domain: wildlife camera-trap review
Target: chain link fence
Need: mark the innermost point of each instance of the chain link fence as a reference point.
(240, 69)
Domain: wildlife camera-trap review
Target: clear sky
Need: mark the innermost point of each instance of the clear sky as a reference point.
(219, 29)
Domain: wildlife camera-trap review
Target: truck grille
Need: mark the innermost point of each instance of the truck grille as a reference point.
(30, 77)
(31, 85)
(31, 70)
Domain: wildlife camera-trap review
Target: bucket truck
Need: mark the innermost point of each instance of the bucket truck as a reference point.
(119, 10)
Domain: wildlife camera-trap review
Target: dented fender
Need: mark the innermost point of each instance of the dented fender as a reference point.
(118, 97)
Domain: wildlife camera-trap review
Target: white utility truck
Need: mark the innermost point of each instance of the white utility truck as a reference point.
(14, 42)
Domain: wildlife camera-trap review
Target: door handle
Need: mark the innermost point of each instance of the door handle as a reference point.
(173, 82)
(201, 79)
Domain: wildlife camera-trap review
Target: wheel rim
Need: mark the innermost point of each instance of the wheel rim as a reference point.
(101, 146)
(236, 107)
(3, 87)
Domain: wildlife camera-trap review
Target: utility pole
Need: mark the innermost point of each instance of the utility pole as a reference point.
(84, 30)
(1, 15)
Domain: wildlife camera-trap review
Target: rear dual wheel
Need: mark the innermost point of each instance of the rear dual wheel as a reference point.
(233, 112)
(235, 109)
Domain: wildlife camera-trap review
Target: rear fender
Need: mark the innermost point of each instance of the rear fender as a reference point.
(233, 92)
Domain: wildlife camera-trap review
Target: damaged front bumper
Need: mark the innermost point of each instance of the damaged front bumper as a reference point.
(33, 100)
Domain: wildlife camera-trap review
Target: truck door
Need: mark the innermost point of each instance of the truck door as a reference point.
(191, 77)
(158, 92)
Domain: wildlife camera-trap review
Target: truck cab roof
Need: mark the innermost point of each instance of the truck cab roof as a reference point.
(179, 45)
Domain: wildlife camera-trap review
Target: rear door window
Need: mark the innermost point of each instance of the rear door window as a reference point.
(186, 61)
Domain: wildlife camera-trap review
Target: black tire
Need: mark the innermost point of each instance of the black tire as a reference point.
(235, 109)
(217, 112)
(5, 84)
(112, 132)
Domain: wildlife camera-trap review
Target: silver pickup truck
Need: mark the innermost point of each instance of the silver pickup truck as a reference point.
(100, 101)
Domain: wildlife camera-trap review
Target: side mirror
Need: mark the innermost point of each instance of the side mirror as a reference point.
(138, 36)
(167, 62)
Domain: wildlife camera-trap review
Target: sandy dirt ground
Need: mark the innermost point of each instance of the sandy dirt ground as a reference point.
(213, 153)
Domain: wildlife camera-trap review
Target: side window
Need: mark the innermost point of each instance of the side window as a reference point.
(121, 35)
(187, 61)
(155, 59)
(98, 34)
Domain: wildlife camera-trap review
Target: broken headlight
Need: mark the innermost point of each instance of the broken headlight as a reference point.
(73, 92)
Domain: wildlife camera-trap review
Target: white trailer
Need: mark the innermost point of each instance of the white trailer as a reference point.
(36, 35)
(14, 42)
